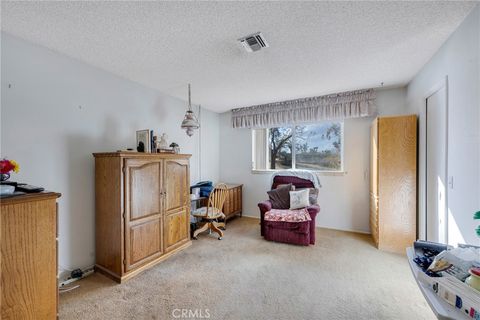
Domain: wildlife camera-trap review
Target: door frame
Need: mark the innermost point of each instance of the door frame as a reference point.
(443, 84)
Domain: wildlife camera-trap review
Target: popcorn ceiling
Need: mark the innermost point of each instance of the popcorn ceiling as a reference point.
(315, 47)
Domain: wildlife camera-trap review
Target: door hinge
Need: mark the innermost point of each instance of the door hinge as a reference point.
(123, 214)
(125, 262)
(124, 169)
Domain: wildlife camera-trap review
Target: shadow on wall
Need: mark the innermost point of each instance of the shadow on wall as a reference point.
(160, 111)
(78, 217)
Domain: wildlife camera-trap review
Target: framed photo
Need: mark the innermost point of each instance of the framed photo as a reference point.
(143, 141)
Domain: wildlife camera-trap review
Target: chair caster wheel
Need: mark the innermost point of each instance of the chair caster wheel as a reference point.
(195, 238)
(219, 238)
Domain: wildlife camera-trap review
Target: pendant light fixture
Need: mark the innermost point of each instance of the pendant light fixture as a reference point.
(190, 121)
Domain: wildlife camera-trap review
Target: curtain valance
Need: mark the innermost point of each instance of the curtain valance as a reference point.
(353, 104)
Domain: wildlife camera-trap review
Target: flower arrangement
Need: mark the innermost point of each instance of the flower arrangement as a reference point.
(6, 167)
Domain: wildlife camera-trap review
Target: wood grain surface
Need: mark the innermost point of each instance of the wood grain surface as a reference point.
(136, 193)
(29, 257)
(393, 206)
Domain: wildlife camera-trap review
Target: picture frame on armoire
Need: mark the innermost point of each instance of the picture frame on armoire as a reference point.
(143, 140)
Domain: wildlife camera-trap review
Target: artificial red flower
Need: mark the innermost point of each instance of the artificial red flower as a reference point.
(6, 166)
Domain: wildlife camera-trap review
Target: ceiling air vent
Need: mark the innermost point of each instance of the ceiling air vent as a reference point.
(254, 42)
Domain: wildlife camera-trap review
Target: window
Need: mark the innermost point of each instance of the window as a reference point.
(317, 147)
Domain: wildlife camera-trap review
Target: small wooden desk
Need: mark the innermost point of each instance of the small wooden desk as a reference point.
(233, 203)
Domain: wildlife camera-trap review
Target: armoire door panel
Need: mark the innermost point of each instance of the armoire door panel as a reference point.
(176, 228)
(143, 211)
(175, 211)
(145, 241)
(144, 189)
(176, 184)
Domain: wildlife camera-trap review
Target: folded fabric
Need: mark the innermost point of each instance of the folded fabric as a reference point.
(304, 174)
(300, 215)
(205, 188)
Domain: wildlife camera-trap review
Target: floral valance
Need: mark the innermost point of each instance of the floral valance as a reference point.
(353, 104)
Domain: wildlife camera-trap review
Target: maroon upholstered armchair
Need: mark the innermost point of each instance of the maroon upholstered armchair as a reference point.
(301, 233)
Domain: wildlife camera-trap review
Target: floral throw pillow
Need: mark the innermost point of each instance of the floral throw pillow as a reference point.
(299, 199)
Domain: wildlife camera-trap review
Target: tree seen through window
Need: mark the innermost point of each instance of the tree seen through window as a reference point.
(313, 147)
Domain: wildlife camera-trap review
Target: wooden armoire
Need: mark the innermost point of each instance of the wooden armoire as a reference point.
(142, 209)
(393, 182)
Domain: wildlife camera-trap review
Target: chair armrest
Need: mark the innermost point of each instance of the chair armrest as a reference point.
(265, 206)
(313, 211)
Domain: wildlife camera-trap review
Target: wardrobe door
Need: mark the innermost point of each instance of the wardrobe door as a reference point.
(143, 211)
(374, 181)
(177, 203)
(397, 193)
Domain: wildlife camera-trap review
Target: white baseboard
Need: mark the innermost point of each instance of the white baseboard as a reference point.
(250, 217)
(345, 230)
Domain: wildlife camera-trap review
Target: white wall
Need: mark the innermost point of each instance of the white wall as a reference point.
(209, 146)
(344, 199)
(59, 110)
(459, 59)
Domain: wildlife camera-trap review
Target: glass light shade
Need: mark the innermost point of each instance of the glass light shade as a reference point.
(190, 123)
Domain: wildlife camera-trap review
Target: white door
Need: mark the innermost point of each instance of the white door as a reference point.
(436, 168)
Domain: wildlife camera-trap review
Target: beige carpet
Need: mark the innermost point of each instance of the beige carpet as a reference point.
(245, 277)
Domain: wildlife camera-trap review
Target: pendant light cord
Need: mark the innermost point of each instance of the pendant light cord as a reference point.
(189, 98)
(200, 143)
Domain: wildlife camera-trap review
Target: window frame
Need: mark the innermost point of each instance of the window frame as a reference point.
(340, 171)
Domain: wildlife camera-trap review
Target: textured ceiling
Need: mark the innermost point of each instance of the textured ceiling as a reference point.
(315, 47)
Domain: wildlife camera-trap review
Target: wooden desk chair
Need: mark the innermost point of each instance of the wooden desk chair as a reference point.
(213, 211)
